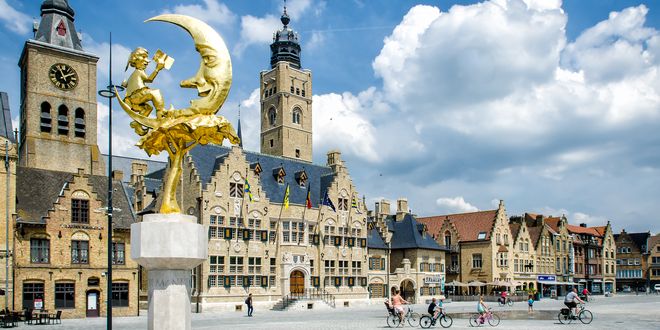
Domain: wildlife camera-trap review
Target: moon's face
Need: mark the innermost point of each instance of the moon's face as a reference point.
(213, 78)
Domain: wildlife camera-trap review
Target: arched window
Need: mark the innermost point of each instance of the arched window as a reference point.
(272, 116)
(297, 115)
(46, 119)
(79, 125)
(447, 239)
(63, 120)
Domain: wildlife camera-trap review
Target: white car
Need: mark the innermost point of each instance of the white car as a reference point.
(657, 288)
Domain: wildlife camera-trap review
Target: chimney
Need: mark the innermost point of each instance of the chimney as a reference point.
(118, 175)
(583, 225)
(334, 160)
(138, 169)
(384, 209)
(401, 208)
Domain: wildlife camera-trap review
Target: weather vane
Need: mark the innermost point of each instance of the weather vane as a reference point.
(179, 130)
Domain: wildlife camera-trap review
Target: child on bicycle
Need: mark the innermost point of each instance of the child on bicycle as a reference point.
(482, 309)
(435, 308)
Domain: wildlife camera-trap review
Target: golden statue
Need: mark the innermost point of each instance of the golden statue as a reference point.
(179, 130)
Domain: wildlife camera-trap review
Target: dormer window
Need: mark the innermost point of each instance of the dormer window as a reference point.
(482, 235)
(256, 168)
(279, 174)
(301, 178)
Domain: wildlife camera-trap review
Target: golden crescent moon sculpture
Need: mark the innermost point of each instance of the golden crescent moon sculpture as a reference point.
(179, 130)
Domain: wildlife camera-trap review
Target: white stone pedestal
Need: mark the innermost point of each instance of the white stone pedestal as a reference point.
(169, 246)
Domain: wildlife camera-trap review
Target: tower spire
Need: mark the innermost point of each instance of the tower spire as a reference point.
(57, 26)
(285, 46)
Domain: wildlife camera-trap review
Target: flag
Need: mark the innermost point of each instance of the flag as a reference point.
(355, 206)
(247, 189)
(308, 202)
(327, 202)
(285, 202)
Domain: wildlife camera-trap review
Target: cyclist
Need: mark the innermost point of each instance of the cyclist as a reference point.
(435, 307)
(570, 298)
(585, 294)
(503, 297)
(397, 302)
(482, 309)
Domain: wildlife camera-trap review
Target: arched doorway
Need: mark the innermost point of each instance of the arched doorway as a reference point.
(408, 291)
(297, 282)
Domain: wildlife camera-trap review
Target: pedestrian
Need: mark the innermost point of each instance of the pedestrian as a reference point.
(248, 302)
(530, 304)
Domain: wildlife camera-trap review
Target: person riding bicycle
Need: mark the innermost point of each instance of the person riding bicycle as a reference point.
(435, 307)
(503, 297)
(482, 309)
(585, 294)
(397, 302)
(570, 298)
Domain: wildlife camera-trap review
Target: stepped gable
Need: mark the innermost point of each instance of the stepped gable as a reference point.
(468, 225)
(410, 234)
(38, 189)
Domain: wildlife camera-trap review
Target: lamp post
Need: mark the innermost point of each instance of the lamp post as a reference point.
(109, 94)
(7, 168)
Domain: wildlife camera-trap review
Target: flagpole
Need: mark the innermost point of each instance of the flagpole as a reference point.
(279, 219)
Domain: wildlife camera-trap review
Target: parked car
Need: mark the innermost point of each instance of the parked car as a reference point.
(657, 288)
(626, 289)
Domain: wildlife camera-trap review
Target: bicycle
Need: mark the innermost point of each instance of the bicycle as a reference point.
(477, 319)
(394, 321)
(566, 315)
(508, 302)
(428, 321)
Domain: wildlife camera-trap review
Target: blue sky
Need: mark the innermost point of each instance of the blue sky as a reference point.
(553, 107)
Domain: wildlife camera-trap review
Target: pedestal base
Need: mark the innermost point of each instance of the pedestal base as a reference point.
(169, 299)
(168, 246)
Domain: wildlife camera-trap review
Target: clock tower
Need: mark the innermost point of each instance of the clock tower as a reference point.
(286, 99)
(58, 96)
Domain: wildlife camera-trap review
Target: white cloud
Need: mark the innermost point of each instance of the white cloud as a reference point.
(339, 122)
(259, 30)
(13, 19)
(256, 30)
(455, 205)
(211, 12)
(315, 41)
(251, 121)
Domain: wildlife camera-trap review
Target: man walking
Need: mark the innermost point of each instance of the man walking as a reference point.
(248, 301)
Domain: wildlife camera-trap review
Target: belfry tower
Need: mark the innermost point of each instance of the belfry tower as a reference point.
(58, 96)
(286, 99)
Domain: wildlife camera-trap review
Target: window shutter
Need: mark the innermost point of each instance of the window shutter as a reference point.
(337, 281)
(246, 281)
(228, 233)
(316, 282)
(264, 236)
(351, 281)
(264, 281)
(316, 239)
(351, 241)
(227, 282)
(246, 234)
(382, 263)
(363, 281)
(363, 242)
(337, 240)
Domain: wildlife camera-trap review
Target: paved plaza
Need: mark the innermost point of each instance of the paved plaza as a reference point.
(629, 312)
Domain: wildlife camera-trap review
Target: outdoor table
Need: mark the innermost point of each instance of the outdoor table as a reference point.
(40, 317)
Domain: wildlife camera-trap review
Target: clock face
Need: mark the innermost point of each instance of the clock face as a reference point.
(63, 76)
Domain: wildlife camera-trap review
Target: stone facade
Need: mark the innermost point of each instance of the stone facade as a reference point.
(403, 256)
(55, 122)
(632, 261)
(60, 262)
(654, 261)
(9, 161)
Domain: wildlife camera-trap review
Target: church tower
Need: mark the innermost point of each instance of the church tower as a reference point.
(286, 99)
(58, 96)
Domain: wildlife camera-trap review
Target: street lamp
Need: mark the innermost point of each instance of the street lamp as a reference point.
(109, 94)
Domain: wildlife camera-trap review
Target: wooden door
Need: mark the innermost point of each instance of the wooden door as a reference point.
(92, 304)
(297, 282)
